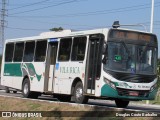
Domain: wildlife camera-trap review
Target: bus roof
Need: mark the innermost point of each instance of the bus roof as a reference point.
(67, 33)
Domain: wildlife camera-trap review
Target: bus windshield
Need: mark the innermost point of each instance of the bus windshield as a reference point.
(128, 57)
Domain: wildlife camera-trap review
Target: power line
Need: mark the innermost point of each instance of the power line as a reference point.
(86, 27)
(45, 22)
(29, 29)
(67, 2)
(101, 12)
(29, 4)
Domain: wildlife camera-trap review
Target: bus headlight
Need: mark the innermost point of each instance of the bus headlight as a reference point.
(153, 87)
(111, 84)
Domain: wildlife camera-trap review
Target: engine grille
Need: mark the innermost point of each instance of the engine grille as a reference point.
(133, 78)
(126, 92)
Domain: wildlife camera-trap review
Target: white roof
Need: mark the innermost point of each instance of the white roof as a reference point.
(65, 33)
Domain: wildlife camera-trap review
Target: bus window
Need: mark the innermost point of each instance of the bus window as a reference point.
(40, 54)
(9, 52)
(65, 49)
(18, 53)
(29, 51)
(79, 46)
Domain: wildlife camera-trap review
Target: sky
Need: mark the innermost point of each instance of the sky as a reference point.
(31, 17)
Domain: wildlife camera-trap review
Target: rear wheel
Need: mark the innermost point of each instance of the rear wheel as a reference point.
(26, 90)
(78, 94)
(121, 103)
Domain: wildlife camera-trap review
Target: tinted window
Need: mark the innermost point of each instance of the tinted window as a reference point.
(65, 49)
(41, 50)
(9, 52)
(79, 46)
(18, 54)
(29, 51)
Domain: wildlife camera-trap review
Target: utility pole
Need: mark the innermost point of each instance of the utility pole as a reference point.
(152, 16)
(2, 23)
(151, 27)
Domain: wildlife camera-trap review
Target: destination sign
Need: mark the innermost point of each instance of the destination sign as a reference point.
(131, 35)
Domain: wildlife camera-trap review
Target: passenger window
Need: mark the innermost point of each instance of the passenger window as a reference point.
(29, 51)
(9, 52)
(65, 49)
(18, 53)
(40, 54)
(78, 50)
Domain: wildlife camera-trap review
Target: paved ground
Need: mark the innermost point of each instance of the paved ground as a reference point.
(103, 103)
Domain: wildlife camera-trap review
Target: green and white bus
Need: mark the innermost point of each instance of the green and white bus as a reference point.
(111, 63)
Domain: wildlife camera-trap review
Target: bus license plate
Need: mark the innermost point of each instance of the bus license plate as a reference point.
(132, 93)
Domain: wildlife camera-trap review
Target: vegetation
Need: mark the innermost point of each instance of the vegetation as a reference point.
(79, 112)
(56, 29)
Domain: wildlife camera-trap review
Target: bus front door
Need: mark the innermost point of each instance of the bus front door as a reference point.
(50, 66)
(93, 63)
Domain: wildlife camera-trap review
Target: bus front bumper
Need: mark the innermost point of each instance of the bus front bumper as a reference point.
(109, 92)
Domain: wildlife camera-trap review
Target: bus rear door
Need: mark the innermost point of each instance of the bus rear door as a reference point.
(93, 63)
(50, 65)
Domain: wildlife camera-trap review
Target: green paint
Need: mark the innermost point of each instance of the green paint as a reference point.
(107, 91)
(117, 57)
(15, 69)
(32, 68)
(12, 69)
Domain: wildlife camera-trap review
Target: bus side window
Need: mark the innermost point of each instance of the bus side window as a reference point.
(29, 51)
(18, 53)
(40, 53)
(9, 52)
(65, 49)
(79, 46)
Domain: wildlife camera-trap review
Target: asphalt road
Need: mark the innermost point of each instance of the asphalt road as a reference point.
(105, 103)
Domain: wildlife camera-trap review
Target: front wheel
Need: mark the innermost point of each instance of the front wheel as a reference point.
(78, 94)
(26, 90)
(121, 103)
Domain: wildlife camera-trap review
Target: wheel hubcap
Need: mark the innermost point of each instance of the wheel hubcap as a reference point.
(25, 89)
(79, 93)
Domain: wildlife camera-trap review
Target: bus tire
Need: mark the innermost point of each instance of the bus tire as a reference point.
(121, 103)
(7, 90)
(26, 88)
(78, 94)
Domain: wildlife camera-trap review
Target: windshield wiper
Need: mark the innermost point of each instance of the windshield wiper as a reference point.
(126, 48)
(145, 49)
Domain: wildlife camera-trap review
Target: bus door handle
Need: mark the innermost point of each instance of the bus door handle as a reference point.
(70, 77)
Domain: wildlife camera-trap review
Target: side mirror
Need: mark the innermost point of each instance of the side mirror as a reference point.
(104, 49)
(104, 60)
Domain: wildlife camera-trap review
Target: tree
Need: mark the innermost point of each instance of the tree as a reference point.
(56, 29)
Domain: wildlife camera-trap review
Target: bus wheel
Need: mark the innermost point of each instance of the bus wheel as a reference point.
(7, 90)
(26, 88)
(78, 94)
(121, 103)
